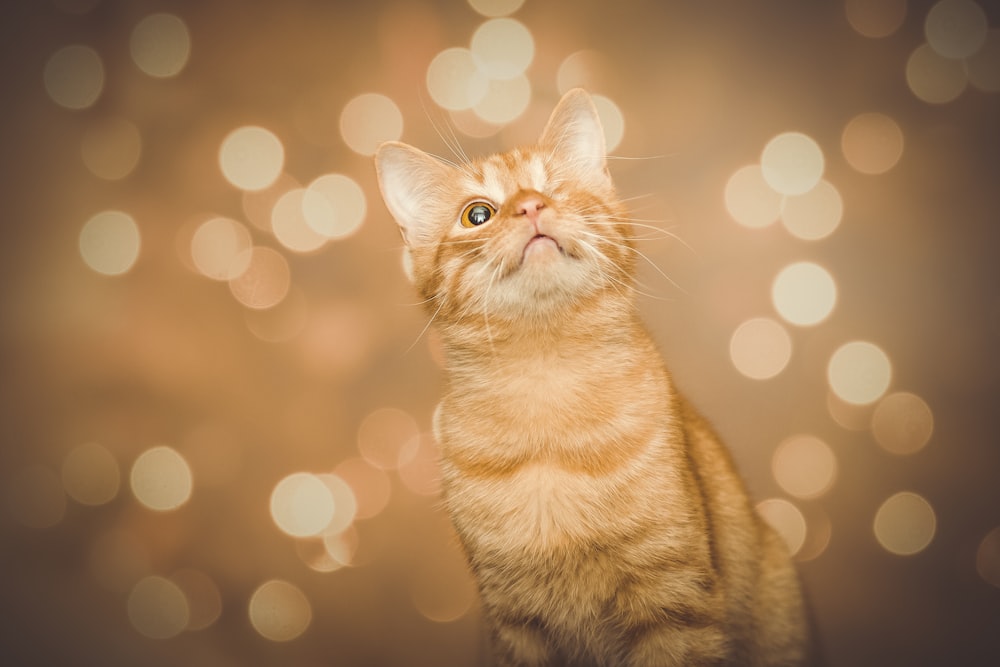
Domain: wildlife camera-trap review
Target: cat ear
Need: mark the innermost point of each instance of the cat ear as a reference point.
(410, 182)
(574, 133)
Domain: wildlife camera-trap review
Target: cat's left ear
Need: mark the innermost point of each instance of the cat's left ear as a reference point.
(574, 133)
(410, 181)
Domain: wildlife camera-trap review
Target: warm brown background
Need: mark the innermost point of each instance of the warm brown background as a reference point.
(164, 356)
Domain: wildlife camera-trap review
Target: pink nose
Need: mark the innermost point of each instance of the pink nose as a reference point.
(529, 206)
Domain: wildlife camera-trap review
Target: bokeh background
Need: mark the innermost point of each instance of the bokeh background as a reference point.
(217, 390)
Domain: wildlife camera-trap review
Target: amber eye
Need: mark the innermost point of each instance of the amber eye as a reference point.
(477, 213)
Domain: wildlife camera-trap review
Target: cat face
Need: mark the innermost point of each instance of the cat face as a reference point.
(513, 235)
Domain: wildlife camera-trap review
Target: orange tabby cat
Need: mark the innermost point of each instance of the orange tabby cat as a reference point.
(603, 519)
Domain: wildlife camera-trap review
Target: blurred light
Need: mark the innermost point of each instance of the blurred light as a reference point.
(872, 143)
(202, 595)
(161, 479)
(859, 372)
(503, 48)
(818, 534)
(259, 204)
(74, 76)
(902, 423)
(494, 8)
(441, 590)
(109, 243)
(370, 485)
(334, 205)
(804, 466)
(316, 557)
(251, 157)
(383, 435)
(345, 506)
(581, 69)
(265, 282)
(852, 416)
(220, 249)
(118, 560)
(905, 524)
(612, 121)
(750, 200)
(343, 547)
(934, 78)
(110, 148)
(505, 100)
(988, 558)
(368, 120)
(288, 222)
(760, 348)
(35, 497)
(90, 474)
(158, 608)
(786, 519)
(792, 163)
(419, 469)
(956, 28)
(815, 214)
(329, 553)
(160, 45)
(302, 505)
(804, 293)
(875, 18)
(469, 123)
(283, 322)
(279, 611)
(455, 81)
(983, 67)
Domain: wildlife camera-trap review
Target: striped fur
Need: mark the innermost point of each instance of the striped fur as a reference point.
(603, 519)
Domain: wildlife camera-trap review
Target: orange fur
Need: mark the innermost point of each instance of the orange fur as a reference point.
(603, 519)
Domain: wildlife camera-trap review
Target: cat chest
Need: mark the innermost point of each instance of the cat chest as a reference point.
(539, 508)
(548, 544)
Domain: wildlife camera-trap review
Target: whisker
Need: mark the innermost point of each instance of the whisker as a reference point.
(451, 141)
(614, 282)
(638, 158)
(486, 303)
(476, 298)
(666, 233)
(420, 303)
(426, 326)
(629, 248)
(478, 241)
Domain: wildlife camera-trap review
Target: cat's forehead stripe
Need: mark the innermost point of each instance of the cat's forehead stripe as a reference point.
(499, 176)
(536, 168)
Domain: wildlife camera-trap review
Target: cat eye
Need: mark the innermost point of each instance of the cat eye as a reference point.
(477, 213)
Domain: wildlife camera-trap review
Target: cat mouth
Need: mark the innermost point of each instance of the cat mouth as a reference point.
(540, 242)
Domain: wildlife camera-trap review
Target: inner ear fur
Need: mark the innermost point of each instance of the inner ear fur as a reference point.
(410, 181)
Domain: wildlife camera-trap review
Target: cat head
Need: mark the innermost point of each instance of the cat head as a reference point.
(519, 235)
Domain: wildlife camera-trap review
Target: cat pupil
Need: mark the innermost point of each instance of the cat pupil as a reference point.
(479, 214)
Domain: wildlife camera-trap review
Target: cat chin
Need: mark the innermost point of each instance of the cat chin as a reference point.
(544, 284)
(541, 248)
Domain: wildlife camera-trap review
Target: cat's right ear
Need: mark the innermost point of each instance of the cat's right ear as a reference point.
(410, 181)
(574, 134)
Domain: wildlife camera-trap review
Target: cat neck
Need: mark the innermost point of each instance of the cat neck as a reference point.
(589, 331)
(551, 395)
